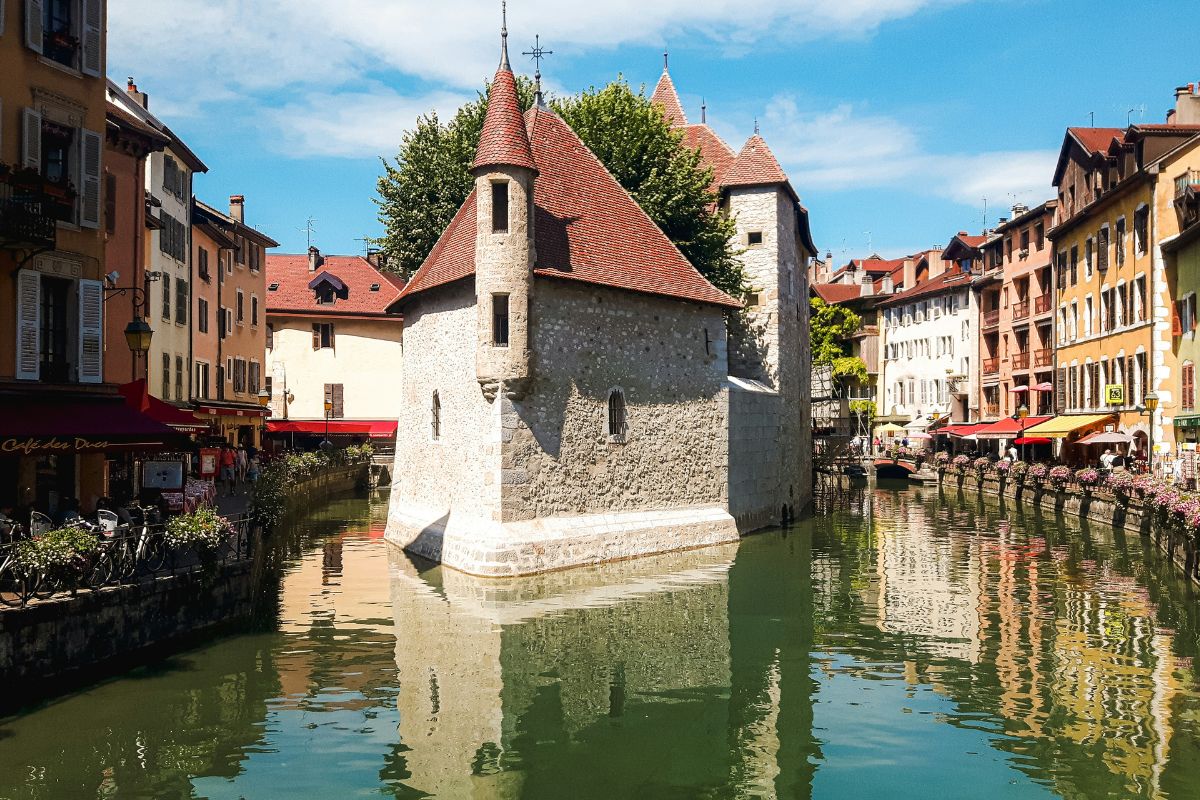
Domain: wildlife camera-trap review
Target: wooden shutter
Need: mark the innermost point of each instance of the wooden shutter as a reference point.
(317, 338)
(31, 140)
(339, 409)
(93, 52)
(1060, 389)
(91, 331)
(89, 205)
(29, 309)
(1176, 319)
(331, 343)
(33, 25)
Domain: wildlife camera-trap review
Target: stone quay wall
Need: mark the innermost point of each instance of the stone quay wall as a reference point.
(52, 646)
(1130, 516)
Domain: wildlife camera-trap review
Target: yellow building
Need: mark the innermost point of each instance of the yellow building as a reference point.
(1114, 320)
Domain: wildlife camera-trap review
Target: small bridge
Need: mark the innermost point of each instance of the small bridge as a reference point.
(887, 468)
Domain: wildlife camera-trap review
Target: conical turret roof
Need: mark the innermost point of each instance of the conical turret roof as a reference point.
(666, 96)
(755, 165)
(503, 140)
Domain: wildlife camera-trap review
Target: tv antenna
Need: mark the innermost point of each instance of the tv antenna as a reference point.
(309, 229)
(366, 243)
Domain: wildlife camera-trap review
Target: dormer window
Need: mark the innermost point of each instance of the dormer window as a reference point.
(500, 207)
(325, 295)
(328, 289)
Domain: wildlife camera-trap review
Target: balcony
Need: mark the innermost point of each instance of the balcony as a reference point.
(1020, 361)
(1020, 310)
(991, 366)
(1043, 304)
(1043, 358)
(28, 214)
(1188, 181)
(992, 410)
(991, 319)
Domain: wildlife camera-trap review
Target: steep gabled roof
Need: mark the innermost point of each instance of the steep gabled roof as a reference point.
(666, 97)
(1093, 141)
(587, 226)
(755, 165)
(713, 150)
(503, 140)
(294, 286)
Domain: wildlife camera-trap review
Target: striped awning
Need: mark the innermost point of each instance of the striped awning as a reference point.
(1064, 426)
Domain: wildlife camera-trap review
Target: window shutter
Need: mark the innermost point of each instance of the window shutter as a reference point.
(1176, 320)
(33, 25)
(91, 331)
(93, 22)
(338, 408)
(316, 337)
(29, 306)
(331, 344)
(31, 144)
(89, 208)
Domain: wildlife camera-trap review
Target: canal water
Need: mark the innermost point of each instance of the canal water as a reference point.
(904, 643)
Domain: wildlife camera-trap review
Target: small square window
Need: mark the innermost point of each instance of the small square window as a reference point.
(754, 238)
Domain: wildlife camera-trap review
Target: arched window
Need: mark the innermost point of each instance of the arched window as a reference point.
(436, 417)
(616, 414)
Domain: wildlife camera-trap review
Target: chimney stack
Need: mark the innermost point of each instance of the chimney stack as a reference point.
(237, 207)
(314, 259)
(140, 98)
(1187, 106)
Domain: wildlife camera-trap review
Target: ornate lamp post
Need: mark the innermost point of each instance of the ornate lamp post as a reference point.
(1023, 413)
(1151, 407)
(138, 332)
(327, 445)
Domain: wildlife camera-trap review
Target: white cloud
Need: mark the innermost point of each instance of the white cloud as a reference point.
(847, 148)
(195, 57)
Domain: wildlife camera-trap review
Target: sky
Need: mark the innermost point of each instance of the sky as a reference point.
(897, 121)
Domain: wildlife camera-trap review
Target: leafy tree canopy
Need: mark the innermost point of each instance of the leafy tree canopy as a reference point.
(422, 189)
(829, 326)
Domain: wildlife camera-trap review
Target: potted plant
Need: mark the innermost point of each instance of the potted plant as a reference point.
(58, 556)
(1088, 478)
(1059, 476)
(203, 530)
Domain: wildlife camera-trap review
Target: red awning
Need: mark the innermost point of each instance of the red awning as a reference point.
(375, 429)
(30, 425)
(1008, 427)
(138, 398)
(964, 430)
(1032, 440)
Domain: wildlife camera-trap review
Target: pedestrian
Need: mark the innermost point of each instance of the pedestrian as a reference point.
(252, 469)
(228, 468)
(242, 462)
(1106, 460)
(1012, 453)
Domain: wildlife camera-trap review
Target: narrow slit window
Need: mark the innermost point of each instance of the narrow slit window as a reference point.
(616, 414)
(436, 417)
(500, 207)
(500, 320)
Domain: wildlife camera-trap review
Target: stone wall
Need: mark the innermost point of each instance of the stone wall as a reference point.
(51, 646)
(755, 460)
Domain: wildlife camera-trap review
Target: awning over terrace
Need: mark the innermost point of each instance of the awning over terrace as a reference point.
(1064, 426)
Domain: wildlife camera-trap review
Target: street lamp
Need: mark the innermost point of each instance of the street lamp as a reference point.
(327, 445)
(1151, 407)
(264, 399)
(1023, 413)
(138, 332)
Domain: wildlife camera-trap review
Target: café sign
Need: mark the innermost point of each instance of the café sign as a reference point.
(54, 444)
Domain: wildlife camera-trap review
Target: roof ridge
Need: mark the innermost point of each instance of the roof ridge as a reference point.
(667, 97)
(755, 165)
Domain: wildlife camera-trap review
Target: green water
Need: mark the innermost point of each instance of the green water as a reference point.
(905, 645)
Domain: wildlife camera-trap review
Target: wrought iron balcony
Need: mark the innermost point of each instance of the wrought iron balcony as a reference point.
(992, 410)
(991, 319)
(991, 366)
(1020, 361)
(1021, 310)
(1043, 357)
(1043, 304)
(27, 219)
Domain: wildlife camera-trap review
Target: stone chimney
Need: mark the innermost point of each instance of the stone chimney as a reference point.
(1187, 105)
(237, 207)
(886, 286)
(140, 98)
(1018, 209)
(315, 259)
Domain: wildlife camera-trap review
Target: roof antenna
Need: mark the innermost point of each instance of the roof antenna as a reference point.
(504, 35)
(756, 126)
(703, 111)
(309, 229)
(666, 58)
(537, 54)
(1092, 115)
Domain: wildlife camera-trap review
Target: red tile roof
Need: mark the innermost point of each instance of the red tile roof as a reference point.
(949, 280)
(666, 97)
(837, 292)
(291, 274)
(503, 140)
(1096, 140)
(756, 165)
(588, 228)
(713, 150)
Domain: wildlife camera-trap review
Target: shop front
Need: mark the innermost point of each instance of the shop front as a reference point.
(307, 434)
(235, 423)
(61, 454)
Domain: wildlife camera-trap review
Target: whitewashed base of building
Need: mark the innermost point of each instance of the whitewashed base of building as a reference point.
(493, 549)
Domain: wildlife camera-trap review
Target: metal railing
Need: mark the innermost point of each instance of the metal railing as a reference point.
(1020, 360)
(1021, 310)
(1186, 180)
(129, 555)
(992, 409)
(991, 318)
(1043, 304)
(991, 366)
(1043, 357)
(26, 220)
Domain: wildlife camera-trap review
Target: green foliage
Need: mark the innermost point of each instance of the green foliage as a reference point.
(829, 326)
(633, 140)
(864, 408)
(203, 529)
(422, 189)
(850, 368)
(279, 475)
(54, 551)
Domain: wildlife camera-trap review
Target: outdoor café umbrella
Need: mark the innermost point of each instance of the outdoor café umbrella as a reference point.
(920, 435)
(1107, 437)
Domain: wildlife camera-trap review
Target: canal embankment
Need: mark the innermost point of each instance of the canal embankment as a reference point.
(1126, 513)
(60, 640)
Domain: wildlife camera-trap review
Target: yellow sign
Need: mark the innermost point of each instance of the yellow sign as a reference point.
(51, 445)
(1114, 394)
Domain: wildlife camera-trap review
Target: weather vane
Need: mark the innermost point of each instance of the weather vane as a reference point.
(537, 54)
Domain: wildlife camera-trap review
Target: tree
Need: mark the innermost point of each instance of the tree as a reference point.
(829, 328)
(422, 189)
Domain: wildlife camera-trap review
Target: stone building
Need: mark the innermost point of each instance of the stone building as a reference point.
(571, 391)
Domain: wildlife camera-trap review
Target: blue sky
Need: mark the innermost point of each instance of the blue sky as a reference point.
(893, 118)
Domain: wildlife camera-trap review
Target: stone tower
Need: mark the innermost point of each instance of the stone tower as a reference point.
(504, 173)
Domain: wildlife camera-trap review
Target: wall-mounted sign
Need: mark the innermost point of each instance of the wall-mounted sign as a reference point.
(162, 474)
(55, 444)
(1114, 394)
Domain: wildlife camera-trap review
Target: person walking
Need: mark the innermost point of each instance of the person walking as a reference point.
(228, 461)
(252, 470)
(242, 462)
